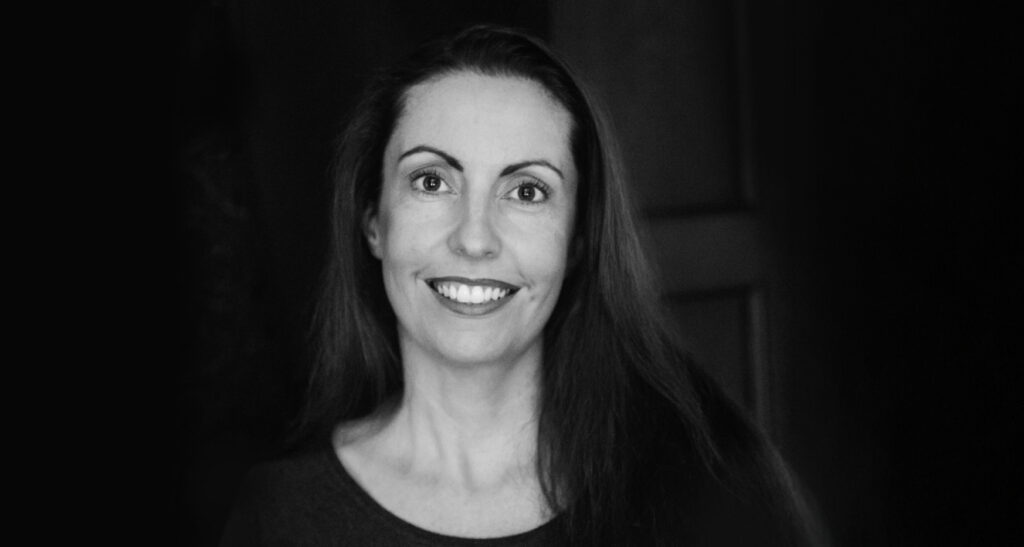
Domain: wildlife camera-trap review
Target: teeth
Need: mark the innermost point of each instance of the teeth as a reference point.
(467, 294)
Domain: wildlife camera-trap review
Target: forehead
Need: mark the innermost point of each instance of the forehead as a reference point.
(488, 117)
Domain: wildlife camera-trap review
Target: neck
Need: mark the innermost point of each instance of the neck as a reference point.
(474, 424)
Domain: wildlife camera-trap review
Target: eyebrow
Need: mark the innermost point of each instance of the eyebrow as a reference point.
(450, 160)
(517, 166)
(424, 148)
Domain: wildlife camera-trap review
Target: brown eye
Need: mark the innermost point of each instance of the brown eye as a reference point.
(527, 193)
(431, 183)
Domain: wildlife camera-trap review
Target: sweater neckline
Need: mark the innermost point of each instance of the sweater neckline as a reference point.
(375, 509)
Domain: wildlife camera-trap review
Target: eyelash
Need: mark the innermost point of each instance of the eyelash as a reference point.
(418, 177)
(544, 189)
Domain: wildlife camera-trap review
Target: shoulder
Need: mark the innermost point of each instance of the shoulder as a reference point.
(299, 497)
(729, 488)
(295, 474)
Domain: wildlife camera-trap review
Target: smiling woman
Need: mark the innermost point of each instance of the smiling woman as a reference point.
(492, 365)
(481, 209)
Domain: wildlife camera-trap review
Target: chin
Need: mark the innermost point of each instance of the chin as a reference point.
(481, 350)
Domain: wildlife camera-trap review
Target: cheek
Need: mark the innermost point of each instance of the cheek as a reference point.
(402, 259)
(407, 237)
(543, 254)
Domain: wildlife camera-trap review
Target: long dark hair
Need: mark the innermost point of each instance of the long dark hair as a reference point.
(618, 397)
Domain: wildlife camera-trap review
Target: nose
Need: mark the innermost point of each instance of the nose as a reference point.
(474, 236)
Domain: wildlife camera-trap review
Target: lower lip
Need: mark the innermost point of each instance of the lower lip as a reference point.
(471, 309)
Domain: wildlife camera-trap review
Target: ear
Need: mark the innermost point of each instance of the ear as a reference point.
(371, 229)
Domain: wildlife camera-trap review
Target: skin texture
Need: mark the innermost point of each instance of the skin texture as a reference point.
(474, 225)
(478, 183)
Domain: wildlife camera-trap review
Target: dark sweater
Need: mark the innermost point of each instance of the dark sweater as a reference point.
(312, 500)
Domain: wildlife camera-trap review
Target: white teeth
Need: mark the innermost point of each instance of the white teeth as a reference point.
(467, 294)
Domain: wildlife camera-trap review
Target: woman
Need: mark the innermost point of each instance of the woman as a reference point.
(492, 364)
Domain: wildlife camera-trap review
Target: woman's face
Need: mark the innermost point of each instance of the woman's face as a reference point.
(475, 217)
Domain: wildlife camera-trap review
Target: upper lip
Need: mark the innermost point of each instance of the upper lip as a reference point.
(434, 281)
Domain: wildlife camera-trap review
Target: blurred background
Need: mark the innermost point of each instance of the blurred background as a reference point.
(824, 186)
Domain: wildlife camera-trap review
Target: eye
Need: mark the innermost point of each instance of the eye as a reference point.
(429, 182)
(529, 191)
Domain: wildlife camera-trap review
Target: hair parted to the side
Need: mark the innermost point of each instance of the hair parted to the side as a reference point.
(614, 383)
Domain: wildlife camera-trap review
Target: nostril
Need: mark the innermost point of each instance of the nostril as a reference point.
(475, 236)
(487, 247)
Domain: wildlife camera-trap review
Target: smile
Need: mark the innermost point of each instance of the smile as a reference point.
(471, 296)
